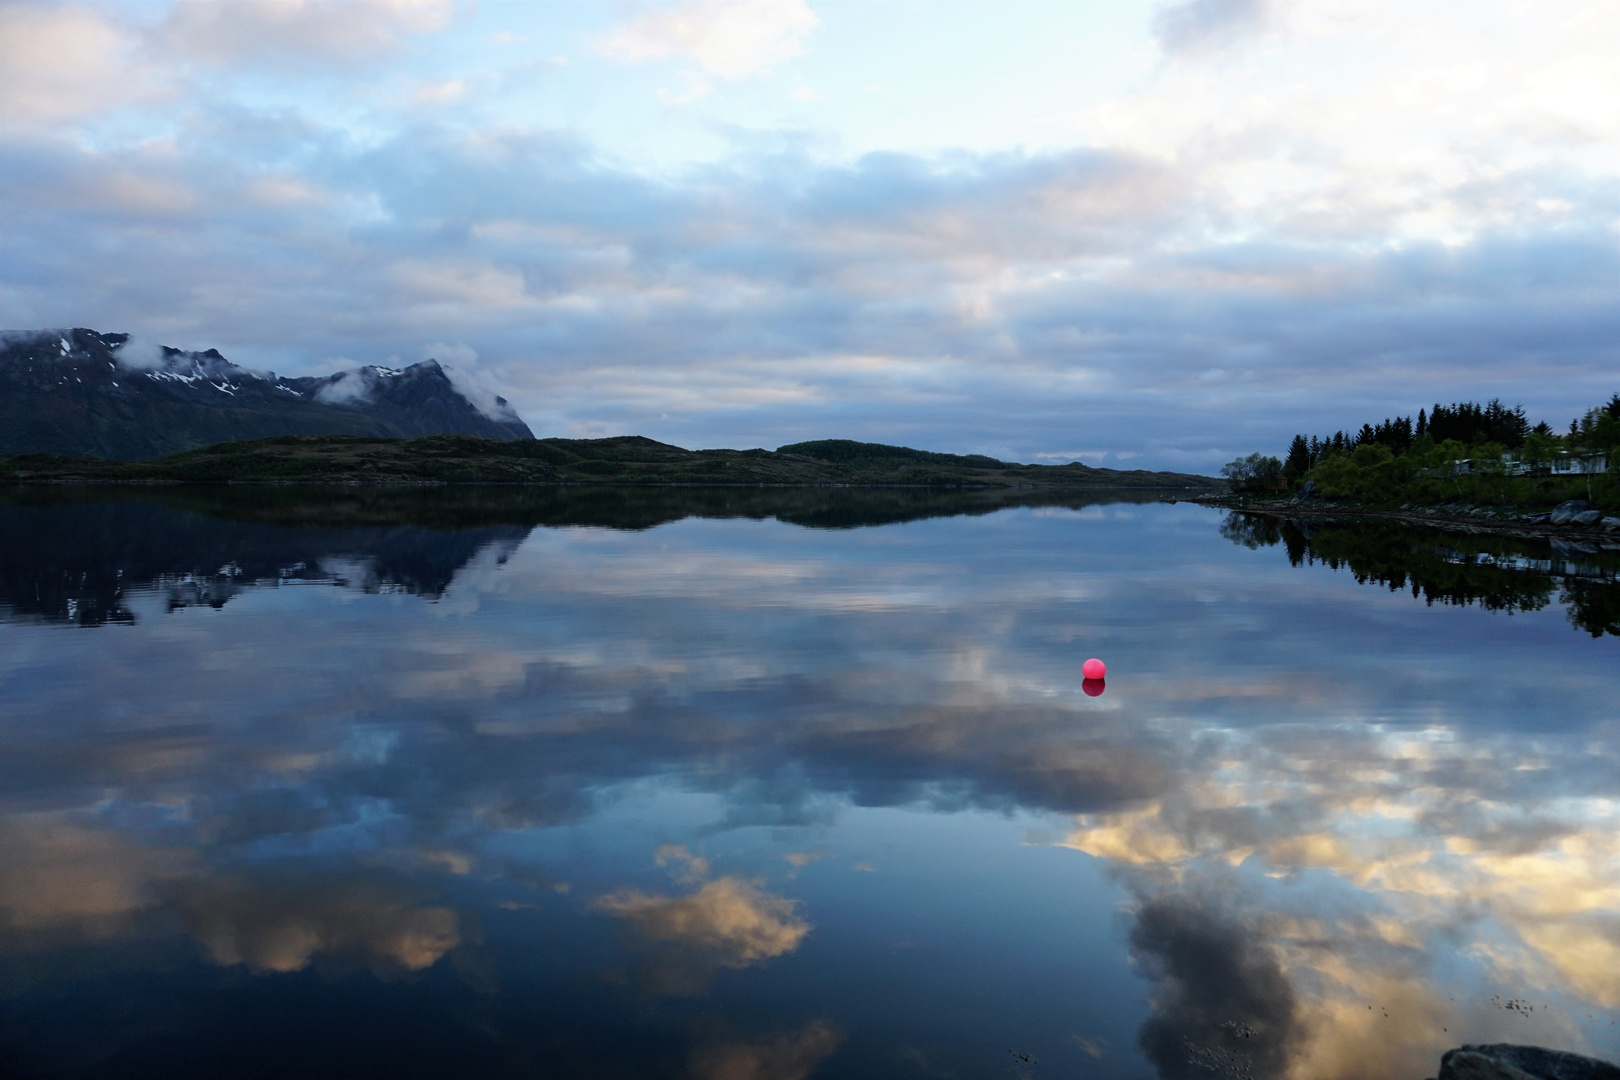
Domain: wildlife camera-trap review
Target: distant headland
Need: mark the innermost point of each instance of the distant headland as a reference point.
(463, 459)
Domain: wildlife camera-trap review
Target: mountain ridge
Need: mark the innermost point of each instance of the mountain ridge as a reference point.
(621, 460)
(79, 393)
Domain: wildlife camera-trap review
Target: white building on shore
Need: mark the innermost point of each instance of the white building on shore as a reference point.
(1563, 463)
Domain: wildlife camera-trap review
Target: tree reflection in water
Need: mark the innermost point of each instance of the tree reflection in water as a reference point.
(1497, 573)
(734, 796)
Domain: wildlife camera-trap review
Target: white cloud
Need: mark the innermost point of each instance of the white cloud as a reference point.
(482, 390)
(446, 92)
(731, 39)
(1400, 122)
(1200, 25)
(139, 354)
(457, 353)
(349, 387)
(60, 63)
(477, 283)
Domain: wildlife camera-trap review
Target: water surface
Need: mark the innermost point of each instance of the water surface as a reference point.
(740, 784)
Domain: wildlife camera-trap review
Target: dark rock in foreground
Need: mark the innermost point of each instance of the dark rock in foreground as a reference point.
(1505, 1061)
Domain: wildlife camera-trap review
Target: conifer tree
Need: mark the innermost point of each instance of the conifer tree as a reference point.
(1299, 457)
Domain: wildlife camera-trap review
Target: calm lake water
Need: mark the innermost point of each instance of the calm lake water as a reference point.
(760, 786)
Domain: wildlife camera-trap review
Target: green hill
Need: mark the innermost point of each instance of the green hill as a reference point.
(451, 459)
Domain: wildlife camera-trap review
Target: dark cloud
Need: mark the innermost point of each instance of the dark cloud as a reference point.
(1221, 1002)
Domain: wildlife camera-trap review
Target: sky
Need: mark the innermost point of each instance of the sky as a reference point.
(1136, 234)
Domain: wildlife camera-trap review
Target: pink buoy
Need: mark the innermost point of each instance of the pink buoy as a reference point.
(1094, 669)
(1093, 687)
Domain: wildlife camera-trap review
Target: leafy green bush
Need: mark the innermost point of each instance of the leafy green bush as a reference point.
(1254, 473)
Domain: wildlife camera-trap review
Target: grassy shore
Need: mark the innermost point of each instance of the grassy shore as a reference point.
(459, 459)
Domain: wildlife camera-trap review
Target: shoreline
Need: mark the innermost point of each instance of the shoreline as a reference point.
(619, 461)
(171, 482)
(1450, 521)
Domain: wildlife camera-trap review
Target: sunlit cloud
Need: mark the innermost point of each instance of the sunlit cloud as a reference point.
(60, 63)
(61, 878)
(276, 926)
(730, 39)
(734, 921)
(1425, 843)
(726, 923)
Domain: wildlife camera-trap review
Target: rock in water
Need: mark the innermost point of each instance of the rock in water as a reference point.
(1505, 1061)
(1307, 490)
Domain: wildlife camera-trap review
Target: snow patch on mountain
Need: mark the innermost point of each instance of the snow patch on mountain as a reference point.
(84, 393)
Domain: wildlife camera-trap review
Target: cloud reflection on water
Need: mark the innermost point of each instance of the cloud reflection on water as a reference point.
(725, 923)
(272, 924)
(790, 1056)
(284, 777)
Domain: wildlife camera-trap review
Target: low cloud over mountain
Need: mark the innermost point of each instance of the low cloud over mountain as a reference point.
(88, 394)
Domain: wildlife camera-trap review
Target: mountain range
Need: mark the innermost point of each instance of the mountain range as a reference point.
(86, 394)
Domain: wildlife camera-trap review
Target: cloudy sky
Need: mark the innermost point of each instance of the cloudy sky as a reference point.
(1129, 233)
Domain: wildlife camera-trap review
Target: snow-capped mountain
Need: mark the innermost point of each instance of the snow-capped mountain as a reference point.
(88, 394)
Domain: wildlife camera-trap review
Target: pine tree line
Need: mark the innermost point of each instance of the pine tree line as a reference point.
(1465, 422)
(1462, 451)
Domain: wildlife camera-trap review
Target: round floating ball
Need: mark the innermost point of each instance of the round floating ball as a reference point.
(1094, 669)
(1093, 687)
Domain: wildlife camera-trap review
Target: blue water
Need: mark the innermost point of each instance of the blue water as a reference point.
(732, 797)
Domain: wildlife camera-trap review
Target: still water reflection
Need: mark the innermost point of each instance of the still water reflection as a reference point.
(732, 785)
(1499, 573)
